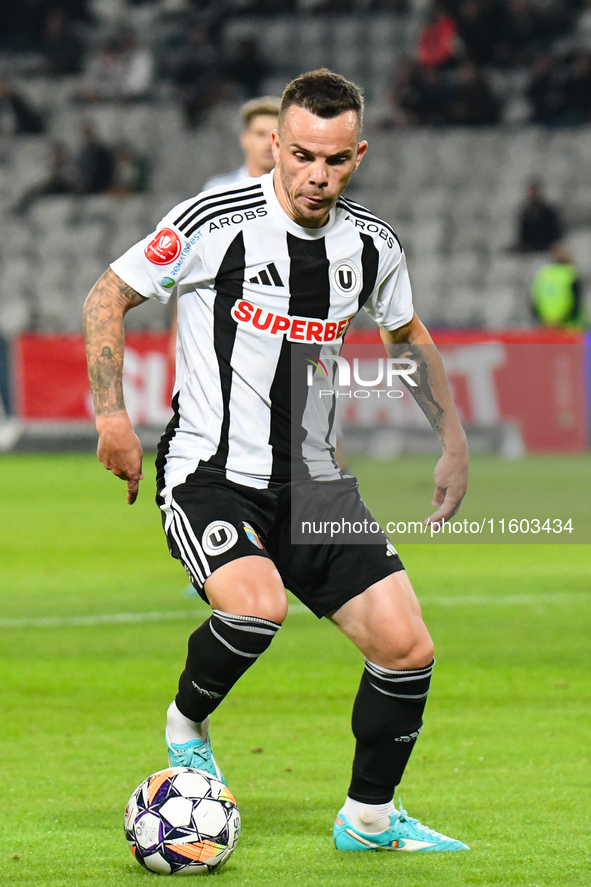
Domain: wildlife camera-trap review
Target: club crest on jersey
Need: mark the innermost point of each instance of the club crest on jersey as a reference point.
(218, 537)
(345, 277)
(252, 534)
(164, 248)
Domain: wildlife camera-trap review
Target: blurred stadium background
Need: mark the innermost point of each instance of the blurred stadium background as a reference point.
(467, 101)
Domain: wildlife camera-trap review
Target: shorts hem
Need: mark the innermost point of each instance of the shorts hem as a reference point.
(321, 612)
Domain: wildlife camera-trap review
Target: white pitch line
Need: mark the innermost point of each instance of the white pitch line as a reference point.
(294, 609)
(506, 600)
(102, 619)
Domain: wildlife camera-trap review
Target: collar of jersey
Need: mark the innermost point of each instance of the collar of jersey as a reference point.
(277, 210)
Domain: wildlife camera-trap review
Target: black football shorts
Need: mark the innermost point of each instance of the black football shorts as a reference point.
(215, 521)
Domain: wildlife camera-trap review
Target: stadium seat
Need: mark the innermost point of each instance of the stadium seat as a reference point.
(15, 315)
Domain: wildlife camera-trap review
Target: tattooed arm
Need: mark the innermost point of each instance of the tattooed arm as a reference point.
(435, 399)
(119, 448)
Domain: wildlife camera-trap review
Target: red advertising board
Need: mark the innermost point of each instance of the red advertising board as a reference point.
(538, 387)
(52, 382)
(535, 379)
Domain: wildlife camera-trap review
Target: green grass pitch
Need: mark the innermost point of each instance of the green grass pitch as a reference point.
(503, 761)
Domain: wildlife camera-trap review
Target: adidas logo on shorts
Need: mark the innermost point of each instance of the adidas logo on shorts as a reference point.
(390, 550)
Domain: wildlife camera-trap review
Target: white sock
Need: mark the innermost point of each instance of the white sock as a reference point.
(181, 729)
(368, 818)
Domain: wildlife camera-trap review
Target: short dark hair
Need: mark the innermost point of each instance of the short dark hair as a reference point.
(323, 93)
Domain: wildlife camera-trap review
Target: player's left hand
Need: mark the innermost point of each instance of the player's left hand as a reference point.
(451, 483)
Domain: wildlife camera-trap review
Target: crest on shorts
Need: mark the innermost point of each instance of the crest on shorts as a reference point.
(345, 277)
(218, 537)
(252, 534)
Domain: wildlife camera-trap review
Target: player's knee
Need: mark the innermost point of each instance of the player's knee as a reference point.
(249, 598)
(421, 654)
(248, 589)
(414, 650)
(265, 603)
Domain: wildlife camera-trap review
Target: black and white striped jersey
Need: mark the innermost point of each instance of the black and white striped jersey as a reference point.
(254, 289)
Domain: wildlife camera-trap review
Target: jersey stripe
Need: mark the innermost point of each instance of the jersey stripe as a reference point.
(228, 286)
(309, 287)
(227, 194)
(370, 259)
(360, 212)
(164, 448)
(222, 212)
(228, 202)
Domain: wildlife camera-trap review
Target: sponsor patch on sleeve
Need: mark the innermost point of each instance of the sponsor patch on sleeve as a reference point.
(164, 248)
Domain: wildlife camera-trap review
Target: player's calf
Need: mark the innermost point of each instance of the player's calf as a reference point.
(387, 720)
(220, 652)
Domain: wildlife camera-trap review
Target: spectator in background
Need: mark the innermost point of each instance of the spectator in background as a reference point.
(195, 70)
(59, 179)
(137, 75)
(544, 92)
(23, 22)
(481, 26)
(62, 49)
(420, 97)
(438, 40)
(131, 171)
(526, 30)
(556, 292)
(246, 68)
(473, 102)
(577, 90)
(119, 71)
(539, 223)
(17, 116)
(95, 164)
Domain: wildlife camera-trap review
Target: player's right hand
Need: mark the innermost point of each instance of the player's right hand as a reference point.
(120, 451)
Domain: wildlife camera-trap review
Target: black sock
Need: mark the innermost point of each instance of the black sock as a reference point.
(387, 720)
(220, 651)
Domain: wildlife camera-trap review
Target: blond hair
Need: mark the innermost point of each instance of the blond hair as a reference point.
(269, 105)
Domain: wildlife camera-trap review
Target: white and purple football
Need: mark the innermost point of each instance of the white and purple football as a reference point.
(182, 820)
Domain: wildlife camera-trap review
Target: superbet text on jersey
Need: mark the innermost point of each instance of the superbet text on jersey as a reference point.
(252, 286)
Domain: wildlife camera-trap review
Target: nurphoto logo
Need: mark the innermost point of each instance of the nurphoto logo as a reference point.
(387, 370)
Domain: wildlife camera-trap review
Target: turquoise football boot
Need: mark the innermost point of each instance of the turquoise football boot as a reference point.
(196, 754)
(405, 833)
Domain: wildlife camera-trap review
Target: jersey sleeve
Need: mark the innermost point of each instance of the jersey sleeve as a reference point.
(390, 304)
(155, 265)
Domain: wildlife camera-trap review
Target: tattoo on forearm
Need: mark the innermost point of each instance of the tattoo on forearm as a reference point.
(107, 374)
(423, 390)
(104, 310)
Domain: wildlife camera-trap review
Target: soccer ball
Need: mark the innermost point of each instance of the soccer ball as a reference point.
(182, 820)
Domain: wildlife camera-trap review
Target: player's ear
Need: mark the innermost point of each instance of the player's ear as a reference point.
(275, 144)
(361, 149)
